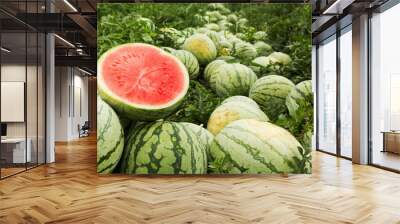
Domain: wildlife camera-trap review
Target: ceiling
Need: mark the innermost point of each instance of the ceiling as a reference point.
(75, 21)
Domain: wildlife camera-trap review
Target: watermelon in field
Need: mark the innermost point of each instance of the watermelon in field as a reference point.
(168, 49)
(164, 147)
(141, 81)
(264, 61)
(225, 25)
(234, 39)
(260, 35)
(270, 93)
(240, 99)
(299, 96)
(231, 111)
(281, 57)
(202, 30)
(190, 62)
(203, 134)
(110, 138)
(224, 48)
(202, 47)
(228, 59)
(232, 18)
(212, 26)
(234, 79)
(245, 51)
(262, 48)
(256, 147)
(214, 16)
(211, 72)
(215, 37)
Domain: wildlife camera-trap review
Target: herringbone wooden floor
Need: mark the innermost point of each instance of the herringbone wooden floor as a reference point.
(70, 191)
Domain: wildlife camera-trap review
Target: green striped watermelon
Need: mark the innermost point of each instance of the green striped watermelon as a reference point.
(245, 51)
(256, 147)
(224, 48)
(241, 99)
(228, 59)
(225, 25)
(212, 26)
(264, 61)
(110, 138)
(142, 82)
(168, 49)
(202, 30)
(211, 71)
(262, 48)
(214, 15)
(260, 35)
(203, 134)
(241, 36)
(234, 79)
(231, 111)
(202, 47)
(281, 57)
(164, 147)
(298, 96)
(270, 93)
(232, 18)
(215, 37)
(190, 62)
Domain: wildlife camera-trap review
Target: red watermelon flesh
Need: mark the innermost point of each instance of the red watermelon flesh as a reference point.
(143, 74)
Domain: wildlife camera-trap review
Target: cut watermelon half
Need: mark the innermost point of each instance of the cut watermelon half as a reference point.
(142, 81)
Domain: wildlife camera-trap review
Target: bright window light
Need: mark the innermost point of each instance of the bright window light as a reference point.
(5, 50)
(65, 41)
(70, 5)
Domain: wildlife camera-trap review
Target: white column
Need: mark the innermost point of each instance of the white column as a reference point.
(50, 94)
(360, 90)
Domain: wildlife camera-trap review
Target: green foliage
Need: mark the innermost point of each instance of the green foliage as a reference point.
(301, 125)
(198, 105)
(290, 33)
(121, 23)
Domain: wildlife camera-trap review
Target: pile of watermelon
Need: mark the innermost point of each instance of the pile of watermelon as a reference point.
(141, 85)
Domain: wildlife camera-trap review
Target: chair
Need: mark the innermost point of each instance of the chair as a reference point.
(84, 130)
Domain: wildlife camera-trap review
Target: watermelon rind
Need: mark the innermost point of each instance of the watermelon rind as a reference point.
(245, 51)
(298, 96)
(203, 134)
(282, 58)
(110, 138)
(234, 79)
(136, 111)
(255, 147)
(164, 147)
(202, 47)
(231, 111)
(240, 99)
(190, 62)
(211, 71)
(270, 93)
(262, 48)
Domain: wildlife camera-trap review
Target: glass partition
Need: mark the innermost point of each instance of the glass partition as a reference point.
(22, 101)
(346, 92)
(385, 89)
(327, 95)
(14, 151)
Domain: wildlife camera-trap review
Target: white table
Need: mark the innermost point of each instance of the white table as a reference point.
(18, 144)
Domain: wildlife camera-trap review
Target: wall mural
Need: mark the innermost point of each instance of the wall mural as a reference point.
(204, 88)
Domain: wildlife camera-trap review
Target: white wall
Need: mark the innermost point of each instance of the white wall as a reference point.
(33, 126)
(71, 102)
